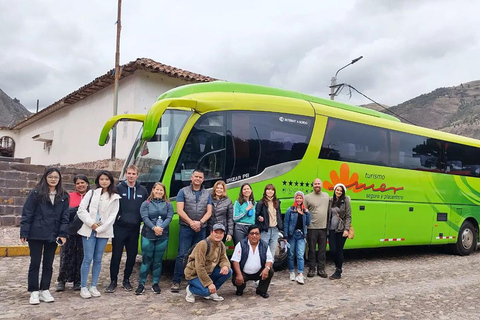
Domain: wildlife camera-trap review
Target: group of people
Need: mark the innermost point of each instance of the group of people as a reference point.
(207, 220)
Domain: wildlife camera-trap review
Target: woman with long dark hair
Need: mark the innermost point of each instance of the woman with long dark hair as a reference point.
(71, 255)
(157, 213)
(44, 224)
(98, 211)
(338, 226)
(243, 213)
(269, 217)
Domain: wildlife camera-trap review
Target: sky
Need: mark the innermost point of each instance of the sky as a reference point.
(50, 48)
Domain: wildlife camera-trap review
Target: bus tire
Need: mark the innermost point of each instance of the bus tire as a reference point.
(281, 258)
(466, 241)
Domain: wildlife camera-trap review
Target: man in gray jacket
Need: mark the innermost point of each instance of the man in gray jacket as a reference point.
(194, 208)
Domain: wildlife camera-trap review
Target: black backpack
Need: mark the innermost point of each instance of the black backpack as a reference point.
(189, 252)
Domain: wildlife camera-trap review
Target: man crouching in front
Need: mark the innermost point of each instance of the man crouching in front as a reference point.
(252, 260)
(208, 267)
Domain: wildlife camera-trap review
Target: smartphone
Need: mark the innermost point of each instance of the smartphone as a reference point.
(59, 242)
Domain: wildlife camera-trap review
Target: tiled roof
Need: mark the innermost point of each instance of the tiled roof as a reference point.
(109, 78)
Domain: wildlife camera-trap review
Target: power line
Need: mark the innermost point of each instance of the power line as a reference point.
(387, 109)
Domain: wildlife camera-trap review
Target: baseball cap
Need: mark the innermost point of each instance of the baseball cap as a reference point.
(218, 226)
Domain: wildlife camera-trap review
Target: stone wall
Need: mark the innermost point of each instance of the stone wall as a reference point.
(16, 181)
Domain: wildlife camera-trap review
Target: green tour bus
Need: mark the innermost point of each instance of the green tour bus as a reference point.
(408, 185)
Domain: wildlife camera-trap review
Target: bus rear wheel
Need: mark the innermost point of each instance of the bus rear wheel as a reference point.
(467, 239)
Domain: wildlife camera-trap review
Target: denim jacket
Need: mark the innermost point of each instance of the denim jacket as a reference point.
(290, 222)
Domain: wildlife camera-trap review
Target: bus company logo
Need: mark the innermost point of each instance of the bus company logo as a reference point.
(281, 119)
(352, 183)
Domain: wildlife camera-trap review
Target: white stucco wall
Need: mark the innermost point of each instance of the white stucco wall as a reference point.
(76, 128)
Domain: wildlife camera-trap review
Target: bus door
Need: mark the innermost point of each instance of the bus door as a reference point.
(408, 224)
(368, 220)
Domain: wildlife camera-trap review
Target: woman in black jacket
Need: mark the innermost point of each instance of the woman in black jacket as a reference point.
(44, 224)
(269, 217)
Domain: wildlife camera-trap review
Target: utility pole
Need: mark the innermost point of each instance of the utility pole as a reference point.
(334, 88)
(117, 78)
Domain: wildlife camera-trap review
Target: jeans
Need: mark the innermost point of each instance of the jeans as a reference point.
(271, 238)
(93, 249)
(36, 247)
(186, 238)
(297, 247)
(240, 232)
(196, 287)
(128, 238)
(317, 259)
(337, 242)
(152, 253)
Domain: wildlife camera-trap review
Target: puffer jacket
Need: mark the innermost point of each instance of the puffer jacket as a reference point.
(222, 212)
(42, 220)
(89, 217)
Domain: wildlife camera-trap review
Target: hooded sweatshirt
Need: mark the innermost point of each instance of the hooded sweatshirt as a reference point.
(132, 198)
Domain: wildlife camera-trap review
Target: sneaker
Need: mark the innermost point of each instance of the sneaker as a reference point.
(300, 278)
(126, 285)
(156, 288)
(189, 297)
(34, 297)
(84, 293)
(322, 273)
(255, 283)
(214, 297)
(45, 296)
(175, 287)
(60, 286)
(335, 276)
(140, 289)
(111, 287)
(94, 291)
(77, 286)
(311, 273)
(292, 276)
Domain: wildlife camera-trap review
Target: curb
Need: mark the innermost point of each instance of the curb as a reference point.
(23, 250)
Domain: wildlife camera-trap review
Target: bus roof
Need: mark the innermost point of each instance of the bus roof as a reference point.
(223, 86)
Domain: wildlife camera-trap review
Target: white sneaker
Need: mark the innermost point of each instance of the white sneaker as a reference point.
(189, 297)
(34, 297)
(214, 297)
(292, 276)
(94, 292)
(255, 283)
(300, 279)
(45, 296)
(84, 293)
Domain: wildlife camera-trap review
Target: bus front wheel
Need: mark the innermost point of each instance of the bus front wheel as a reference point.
(467, 240)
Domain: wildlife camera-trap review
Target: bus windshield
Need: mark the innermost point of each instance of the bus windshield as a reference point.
(151, 156)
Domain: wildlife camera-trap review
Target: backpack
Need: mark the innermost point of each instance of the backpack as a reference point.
(189, 252)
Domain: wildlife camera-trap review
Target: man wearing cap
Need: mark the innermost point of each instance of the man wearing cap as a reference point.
(208, 267)
(317, 203)
(252, 260)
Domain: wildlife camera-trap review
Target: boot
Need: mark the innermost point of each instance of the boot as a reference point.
(311, 273)
(322, 273)
(61, 286)
(336, 275)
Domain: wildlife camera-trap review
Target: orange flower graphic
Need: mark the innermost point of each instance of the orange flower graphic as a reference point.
(344, 178)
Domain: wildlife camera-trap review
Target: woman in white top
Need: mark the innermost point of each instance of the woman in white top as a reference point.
(98, 211)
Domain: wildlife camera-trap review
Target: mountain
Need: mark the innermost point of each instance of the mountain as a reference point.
(11, 111)
(454, 109)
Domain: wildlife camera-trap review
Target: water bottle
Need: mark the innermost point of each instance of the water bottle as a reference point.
(159, 222)
(250, 212)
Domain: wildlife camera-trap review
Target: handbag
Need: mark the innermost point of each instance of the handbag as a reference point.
(76, 224)
(351, 232)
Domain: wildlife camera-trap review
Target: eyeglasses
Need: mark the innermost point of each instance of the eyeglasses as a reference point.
(53, 178)
(254, 233)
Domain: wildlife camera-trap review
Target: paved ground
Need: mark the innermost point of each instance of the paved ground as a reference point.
(409, 283)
